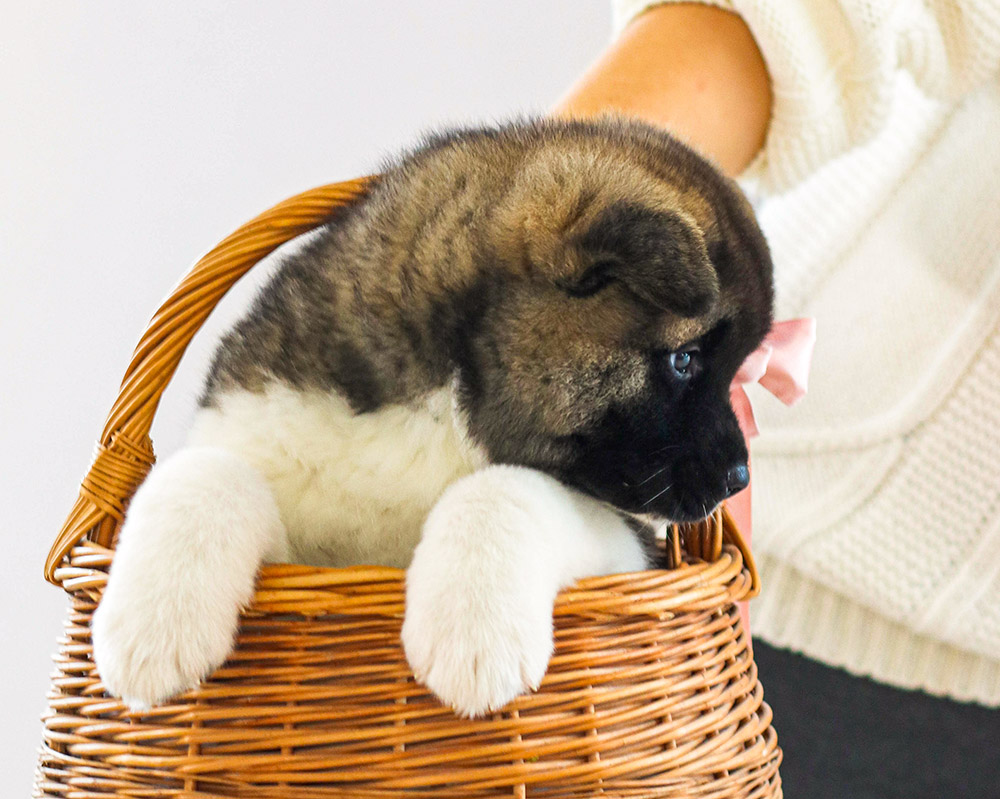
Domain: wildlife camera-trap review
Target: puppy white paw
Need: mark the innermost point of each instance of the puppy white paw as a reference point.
(478, 626)
(186, 561)
(151, 648)
(475, 649)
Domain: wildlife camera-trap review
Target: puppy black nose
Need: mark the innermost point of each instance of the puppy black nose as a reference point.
(737, 478)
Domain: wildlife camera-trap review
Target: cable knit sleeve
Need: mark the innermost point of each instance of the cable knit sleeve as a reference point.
(834, 66)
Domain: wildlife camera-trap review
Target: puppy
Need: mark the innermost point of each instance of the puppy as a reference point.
(519, 337)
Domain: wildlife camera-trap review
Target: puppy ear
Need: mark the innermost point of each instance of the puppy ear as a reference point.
(660, 255)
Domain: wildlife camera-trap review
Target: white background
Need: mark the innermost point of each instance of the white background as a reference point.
(134, 136)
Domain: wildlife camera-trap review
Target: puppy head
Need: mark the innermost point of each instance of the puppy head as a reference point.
(627, 282)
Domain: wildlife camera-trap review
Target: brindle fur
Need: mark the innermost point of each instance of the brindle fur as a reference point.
(550, 266)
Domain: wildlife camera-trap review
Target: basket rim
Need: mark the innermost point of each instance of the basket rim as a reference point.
(367, 590)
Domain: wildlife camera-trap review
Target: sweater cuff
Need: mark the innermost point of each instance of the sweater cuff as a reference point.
(797, 613)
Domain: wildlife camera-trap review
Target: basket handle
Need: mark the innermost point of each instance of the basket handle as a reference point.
(124, 452)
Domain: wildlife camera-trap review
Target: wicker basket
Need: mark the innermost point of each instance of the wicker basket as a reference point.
(652, 691)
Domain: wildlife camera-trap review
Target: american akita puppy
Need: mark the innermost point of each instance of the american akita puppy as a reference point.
(520, 336)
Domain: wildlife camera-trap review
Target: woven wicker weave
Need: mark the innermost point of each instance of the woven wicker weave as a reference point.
(652, 691)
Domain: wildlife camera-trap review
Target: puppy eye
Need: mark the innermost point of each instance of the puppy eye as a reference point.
(596, 278)
(685, 363)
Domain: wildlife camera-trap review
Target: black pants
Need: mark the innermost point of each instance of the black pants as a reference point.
(846, 737)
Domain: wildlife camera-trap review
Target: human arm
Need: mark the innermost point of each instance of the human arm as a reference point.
(691, 68)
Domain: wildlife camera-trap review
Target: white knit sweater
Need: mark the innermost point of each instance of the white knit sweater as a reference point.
(877, 499)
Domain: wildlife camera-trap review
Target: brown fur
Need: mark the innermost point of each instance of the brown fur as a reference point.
(551, 266)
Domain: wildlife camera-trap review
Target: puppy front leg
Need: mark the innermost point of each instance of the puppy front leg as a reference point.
(187, 557)
(496, 549)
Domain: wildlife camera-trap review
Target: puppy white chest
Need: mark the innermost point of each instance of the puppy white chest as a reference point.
(351, 488)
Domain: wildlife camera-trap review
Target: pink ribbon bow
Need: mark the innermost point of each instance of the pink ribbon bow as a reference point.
(781, 365)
